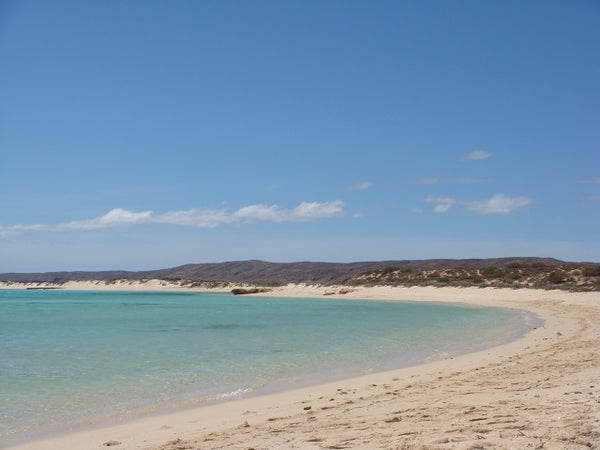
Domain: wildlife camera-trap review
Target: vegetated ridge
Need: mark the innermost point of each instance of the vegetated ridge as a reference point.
(541, 273)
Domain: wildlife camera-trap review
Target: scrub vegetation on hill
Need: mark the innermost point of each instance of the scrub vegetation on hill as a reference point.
(575, 277)
(540, 273)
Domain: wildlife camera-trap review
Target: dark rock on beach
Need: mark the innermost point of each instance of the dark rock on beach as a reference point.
(243, 291)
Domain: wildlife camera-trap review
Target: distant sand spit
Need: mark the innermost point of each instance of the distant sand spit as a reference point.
(541, 391)
(117, 285)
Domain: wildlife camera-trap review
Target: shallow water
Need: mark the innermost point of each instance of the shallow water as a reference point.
(73, 357)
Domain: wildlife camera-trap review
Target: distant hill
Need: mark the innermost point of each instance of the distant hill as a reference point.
(516, 272)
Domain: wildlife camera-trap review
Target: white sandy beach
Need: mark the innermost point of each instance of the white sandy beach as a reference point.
(541, 391)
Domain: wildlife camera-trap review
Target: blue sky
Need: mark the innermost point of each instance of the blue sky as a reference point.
(148, 134)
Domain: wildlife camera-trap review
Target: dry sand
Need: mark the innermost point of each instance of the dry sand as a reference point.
(541, 391)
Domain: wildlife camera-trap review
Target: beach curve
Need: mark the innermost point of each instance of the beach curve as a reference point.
(542, 390)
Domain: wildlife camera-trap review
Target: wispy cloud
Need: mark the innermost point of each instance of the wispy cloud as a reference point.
(442, 204)
(430, 181)
(477, 155)
(497, 204)
(12, 229)
(361, 186)
(592, 198)
(114, 218)
(305, 211)
(200, 218)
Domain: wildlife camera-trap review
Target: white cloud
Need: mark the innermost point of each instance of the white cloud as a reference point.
(498, 204)
(21, 228)
(477, 155)
(114, 218)
(201, 218)
(18, 229)
(442, 204)
(315, 210)
(430, 181)
(361, 186)
(262, 212)
(303, 212)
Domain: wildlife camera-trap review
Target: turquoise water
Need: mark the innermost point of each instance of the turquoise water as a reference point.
(74, 357)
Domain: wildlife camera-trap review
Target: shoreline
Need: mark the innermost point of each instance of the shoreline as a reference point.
(438, 393)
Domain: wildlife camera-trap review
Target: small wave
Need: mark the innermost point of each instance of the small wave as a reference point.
(235, 393)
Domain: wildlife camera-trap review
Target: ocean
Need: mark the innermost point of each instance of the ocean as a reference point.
(76, 358)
